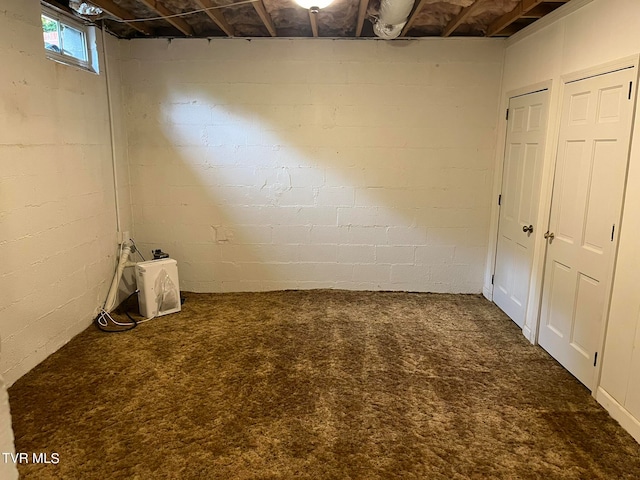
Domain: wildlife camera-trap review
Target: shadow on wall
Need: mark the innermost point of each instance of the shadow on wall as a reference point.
(264, 173)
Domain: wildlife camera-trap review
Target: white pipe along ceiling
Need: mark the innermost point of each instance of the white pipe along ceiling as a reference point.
(392, 18)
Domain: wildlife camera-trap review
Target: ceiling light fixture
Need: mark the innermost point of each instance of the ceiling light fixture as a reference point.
(314, 5)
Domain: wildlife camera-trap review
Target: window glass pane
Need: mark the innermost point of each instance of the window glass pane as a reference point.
(50, 33)
(73, 43)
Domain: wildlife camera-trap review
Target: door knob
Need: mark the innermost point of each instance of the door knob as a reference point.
(549, 236)
(528, 229)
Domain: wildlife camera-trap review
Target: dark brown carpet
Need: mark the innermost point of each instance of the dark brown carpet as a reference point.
(316, 385)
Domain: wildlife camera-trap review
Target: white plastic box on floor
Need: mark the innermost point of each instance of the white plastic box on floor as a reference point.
(159, 287)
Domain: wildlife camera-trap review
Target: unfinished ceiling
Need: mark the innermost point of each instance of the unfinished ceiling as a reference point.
(341, 19)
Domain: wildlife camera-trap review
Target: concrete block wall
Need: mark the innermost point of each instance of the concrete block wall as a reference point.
(120, 146)
(57, 223)
(119, 130)
(271, 164)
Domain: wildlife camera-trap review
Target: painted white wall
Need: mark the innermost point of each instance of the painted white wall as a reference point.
(598, 33)
(119, 129)
(112, 73)
(57, 221)
(270, 164)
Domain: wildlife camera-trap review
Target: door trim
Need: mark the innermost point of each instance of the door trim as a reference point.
(602, 69)
(620, 226)
(533, 239)
(631, 62)
(532, 319)
(535, 286)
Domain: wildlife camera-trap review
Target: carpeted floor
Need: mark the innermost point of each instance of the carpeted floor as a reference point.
(316, 385)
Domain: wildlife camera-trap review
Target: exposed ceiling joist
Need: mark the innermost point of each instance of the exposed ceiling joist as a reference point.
(163, 11)
(461, 17)
(508, 31)
(428, 18)
(314, 22)
(265, 17)
(524, 7)
(122, 14)
(217, 17)
(362, 12)
(540, 11)
(413, 17)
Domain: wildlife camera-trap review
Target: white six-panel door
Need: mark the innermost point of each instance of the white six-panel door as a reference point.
(586, 205)
(524, 151)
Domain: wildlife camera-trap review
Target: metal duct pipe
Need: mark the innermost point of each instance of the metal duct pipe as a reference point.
(392, 18)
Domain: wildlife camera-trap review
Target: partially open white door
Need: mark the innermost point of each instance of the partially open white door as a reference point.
(588, 188)
(526, 130)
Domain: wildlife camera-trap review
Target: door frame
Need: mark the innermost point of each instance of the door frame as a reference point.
(556, 95)
(537, 263)
(539, 171)
(631, 62)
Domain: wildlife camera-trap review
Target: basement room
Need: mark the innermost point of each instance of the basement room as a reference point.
(319, 239)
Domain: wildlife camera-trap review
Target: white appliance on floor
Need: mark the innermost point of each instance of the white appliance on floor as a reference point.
(159, 288)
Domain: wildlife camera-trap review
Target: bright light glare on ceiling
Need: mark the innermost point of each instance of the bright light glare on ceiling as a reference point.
(314, 3)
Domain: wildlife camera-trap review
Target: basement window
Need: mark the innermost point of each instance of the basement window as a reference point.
(69, 41)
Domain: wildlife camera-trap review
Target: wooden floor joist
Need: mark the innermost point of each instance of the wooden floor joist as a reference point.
(122, 14)
(265, 17)
(508, 18)
(163, 11)
(217, 17)
(362, 12)
(461, 17)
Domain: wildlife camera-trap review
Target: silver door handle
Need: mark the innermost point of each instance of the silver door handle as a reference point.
(549, 236)
(528, 229)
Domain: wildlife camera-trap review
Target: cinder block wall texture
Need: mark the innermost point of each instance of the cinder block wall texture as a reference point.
(57, 223)
(272, 164)
(258, 165)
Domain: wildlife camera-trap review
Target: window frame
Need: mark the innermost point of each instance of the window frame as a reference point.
(88, 33)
